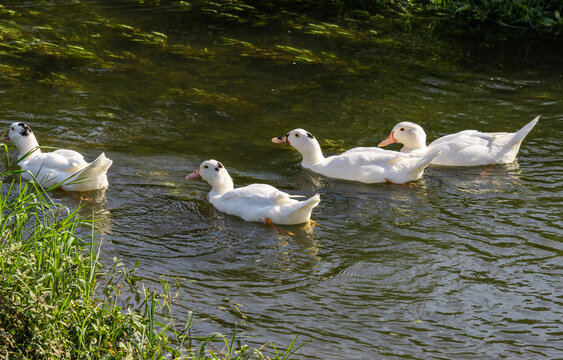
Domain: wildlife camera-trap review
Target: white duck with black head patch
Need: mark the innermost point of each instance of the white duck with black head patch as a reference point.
(364, 164)
(66, 167)
(255, 202)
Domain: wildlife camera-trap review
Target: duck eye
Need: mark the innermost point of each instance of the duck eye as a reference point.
(296, 135)
(12, 128)
(205, 166)
(402, 129)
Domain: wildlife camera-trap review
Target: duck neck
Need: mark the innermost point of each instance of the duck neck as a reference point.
(313, 155)
(413, 147)
(415, 143)
(222, 184)
(27, 144)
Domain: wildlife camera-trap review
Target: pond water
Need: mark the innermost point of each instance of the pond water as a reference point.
(462, 264)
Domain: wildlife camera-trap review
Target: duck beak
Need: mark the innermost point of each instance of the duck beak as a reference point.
(5, 138)
(280, 140)
(194, 175)
(390, 140)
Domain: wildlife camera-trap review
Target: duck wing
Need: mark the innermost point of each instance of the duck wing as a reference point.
(468, 148)
(464, 139)
(60, 160)
(358, 157)
(256, 194)
(364, 166)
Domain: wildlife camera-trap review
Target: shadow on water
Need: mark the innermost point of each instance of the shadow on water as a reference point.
(463, 263)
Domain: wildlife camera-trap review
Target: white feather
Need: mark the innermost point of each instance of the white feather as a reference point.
(255, 202)
(465, 148)
(363, 164)
(66, 167)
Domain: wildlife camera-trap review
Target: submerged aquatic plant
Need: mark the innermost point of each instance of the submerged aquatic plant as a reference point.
(283, 53)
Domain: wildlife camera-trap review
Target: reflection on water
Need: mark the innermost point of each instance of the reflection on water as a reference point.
(464, 263)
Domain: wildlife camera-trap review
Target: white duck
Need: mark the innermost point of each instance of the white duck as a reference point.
(255, 202)
(465, 148)
(364, 164)
(61, 166)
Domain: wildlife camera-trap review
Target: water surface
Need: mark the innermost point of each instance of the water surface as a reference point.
(462, 264)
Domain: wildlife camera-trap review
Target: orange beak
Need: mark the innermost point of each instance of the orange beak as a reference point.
(390, 140)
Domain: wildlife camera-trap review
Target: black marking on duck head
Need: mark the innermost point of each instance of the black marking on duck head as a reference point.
(309, 135)
(284, 139)
(25, 130)
(219, 166)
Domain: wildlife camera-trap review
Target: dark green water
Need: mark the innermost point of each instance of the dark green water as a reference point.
(463, 264)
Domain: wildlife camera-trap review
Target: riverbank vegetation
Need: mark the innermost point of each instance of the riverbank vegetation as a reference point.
(502, 16)
(57, 301)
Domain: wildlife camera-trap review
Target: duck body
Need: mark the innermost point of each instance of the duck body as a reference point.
(66, 167)
(364, 164)
(465, 148)
(255, 202)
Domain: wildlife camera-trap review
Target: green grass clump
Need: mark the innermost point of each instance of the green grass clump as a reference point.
(58, 302)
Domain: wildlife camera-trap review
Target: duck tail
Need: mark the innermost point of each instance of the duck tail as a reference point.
(307, 206)
(96, 168)
(425, 161)
(522, 133)
(312, 202)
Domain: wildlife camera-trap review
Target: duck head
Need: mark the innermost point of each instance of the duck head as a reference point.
(304, 142)
(215, 174)
(411, 135)
(22, 137)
